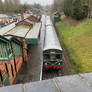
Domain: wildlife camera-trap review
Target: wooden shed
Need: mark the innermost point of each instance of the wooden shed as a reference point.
(16, 46)
(7, 67)
(10, 59)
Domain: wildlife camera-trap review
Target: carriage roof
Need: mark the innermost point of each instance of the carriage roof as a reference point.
(51, 39)
(48, 21)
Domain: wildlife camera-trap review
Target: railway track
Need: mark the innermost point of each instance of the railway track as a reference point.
(52, 74)
(65, 70)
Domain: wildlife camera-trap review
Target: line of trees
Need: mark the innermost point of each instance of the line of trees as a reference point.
(9, 5)
(77, 9)
(90, 9)
(14, 6)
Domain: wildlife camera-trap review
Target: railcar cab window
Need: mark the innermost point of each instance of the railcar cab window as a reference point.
(58, 56)
(46, 56)
(52, 56)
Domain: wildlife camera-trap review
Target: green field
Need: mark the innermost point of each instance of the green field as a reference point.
(78, 42)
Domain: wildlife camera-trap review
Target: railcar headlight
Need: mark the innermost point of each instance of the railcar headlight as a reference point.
(45, 63)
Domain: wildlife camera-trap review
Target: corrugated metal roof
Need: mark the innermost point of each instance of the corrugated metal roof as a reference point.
(48, 21)
(43, 19)
(34, 32)
(51, 39)
(20, 31)
(6, 28)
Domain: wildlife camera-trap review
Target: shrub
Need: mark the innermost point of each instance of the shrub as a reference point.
(79, 9)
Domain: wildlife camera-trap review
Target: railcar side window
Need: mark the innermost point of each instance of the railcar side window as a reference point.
(58, 56)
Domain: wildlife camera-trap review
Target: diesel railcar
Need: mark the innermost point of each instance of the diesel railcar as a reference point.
(52, 51)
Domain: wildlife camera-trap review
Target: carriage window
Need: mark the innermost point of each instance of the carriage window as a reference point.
(47, 56)
(58, 56)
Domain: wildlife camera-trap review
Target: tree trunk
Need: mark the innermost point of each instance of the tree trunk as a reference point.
(90, 9)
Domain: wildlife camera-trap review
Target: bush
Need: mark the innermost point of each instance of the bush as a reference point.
(79, 9)
(76, 8)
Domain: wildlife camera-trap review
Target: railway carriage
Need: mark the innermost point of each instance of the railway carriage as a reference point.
(52, 51)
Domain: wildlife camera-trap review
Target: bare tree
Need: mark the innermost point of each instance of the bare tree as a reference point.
(58, 5)
(1, 6)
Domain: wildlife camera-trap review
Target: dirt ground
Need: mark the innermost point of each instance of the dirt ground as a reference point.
(71, 21)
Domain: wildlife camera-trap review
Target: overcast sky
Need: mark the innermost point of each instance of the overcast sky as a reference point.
(42, 2)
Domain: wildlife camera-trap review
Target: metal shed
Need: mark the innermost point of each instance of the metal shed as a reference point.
(33, 34)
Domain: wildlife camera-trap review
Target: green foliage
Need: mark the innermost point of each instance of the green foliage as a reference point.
(78, 41)
(79, 10)
(14, 6)
(76, 9)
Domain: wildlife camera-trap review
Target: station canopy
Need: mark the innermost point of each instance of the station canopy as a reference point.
(32, 36)
(19, 31)
(6, 28)
(23, 31)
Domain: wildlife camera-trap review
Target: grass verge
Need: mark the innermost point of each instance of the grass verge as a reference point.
(78, 41)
